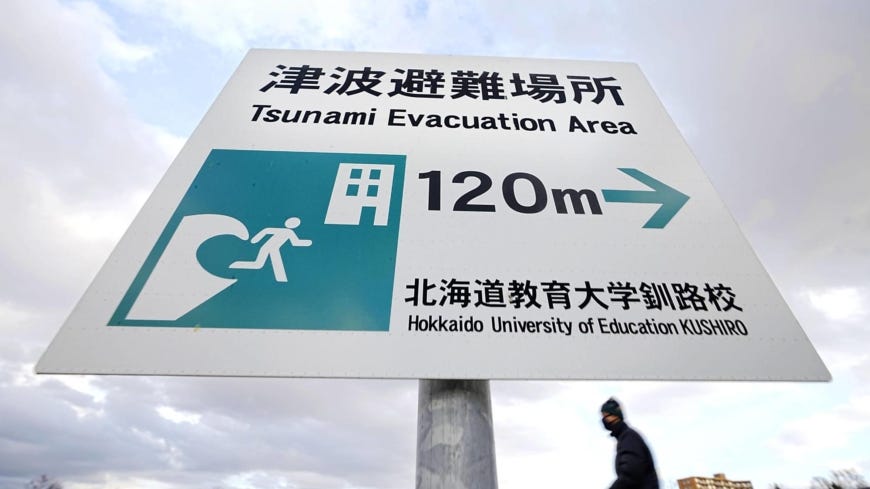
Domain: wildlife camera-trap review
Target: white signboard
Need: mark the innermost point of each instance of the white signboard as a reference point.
(409, 216)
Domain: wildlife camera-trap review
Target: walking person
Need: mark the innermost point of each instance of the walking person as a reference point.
(635, 468)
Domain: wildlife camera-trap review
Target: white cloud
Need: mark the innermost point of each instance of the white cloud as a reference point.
(89, 224)
(447, 26)
(236, 24)
(59, 45)
(812, 74)
(14, 318)
(77, 163)
(84, 384)
(177, 416)
(111, 480)
(284, 480)
(113, 50)
(841, 303)
(826, 432)
(169, 143)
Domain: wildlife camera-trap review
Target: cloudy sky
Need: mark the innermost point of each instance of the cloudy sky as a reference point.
(96, 98)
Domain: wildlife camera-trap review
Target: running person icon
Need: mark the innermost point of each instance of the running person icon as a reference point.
(271, 248)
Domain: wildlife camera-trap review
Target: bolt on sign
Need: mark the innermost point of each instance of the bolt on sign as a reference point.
(409, 216)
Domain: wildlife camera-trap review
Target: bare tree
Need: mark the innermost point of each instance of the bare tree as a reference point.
(820, 482)
(848, 479)
(44, 482)
(840, 479)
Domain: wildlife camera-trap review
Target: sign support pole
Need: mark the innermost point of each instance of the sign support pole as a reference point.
(455, 442)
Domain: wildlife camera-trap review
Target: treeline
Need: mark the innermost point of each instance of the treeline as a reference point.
(838, 479)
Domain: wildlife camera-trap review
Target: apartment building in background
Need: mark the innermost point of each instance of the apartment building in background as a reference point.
(718, 481)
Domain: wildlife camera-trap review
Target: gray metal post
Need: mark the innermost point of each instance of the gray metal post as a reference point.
(455, 442)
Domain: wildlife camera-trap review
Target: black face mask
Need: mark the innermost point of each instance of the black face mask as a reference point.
(609, 426)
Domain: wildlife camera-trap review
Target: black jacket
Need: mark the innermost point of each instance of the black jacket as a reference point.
(635, 468)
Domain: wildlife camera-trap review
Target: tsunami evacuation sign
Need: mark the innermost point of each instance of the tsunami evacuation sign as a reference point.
(409, 216)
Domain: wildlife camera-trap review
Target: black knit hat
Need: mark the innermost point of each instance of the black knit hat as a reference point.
(612, 407)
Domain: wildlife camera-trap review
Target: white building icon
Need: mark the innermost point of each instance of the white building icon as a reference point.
(360, 185)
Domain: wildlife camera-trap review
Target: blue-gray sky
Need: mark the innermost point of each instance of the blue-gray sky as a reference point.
(97, 97)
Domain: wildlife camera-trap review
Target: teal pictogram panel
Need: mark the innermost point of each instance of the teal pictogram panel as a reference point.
(276, 240)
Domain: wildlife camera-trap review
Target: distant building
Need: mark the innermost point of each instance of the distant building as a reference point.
(718, 481)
